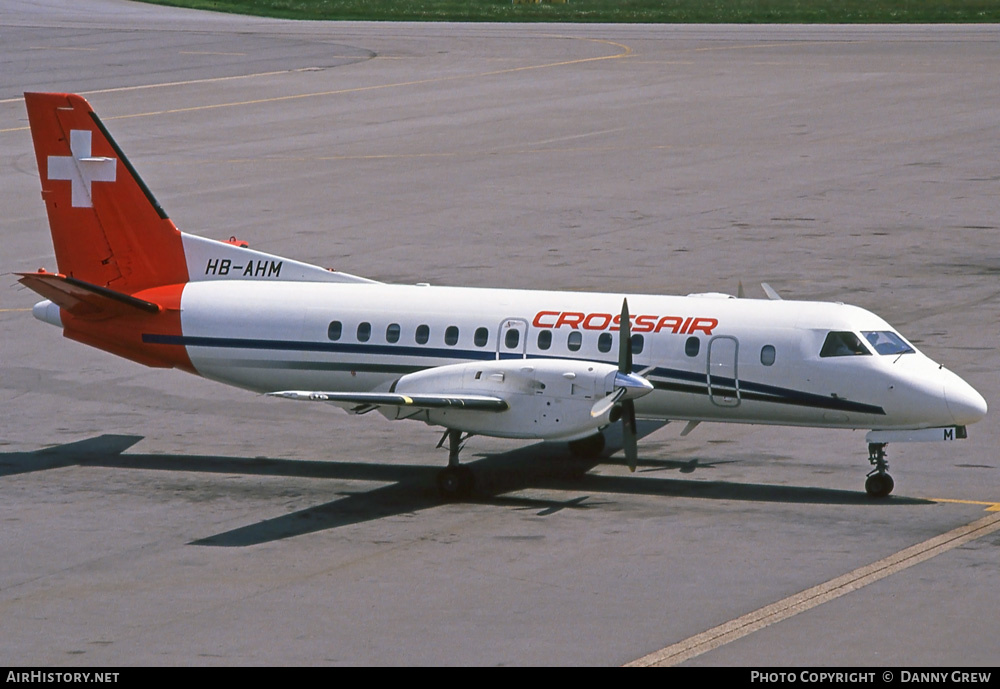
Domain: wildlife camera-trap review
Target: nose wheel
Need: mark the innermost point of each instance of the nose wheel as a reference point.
(879, 483)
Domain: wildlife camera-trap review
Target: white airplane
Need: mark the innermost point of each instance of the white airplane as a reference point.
(555, 366)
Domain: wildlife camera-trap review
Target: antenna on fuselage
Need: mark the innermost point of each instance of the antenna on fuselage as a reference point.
(770, 292)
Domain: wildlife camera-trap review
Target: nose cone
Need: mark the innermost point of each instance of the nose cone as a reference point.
(965, 404)
(635, 386)
(925, 394)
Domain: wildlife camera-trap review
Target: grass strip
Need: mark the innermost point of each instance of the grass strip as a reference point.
(618, 11)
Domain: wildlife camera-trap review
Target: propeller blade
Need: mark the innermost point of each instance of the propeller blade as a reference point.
(625, 340)
(629, 434)
(605, 403)
(626, 381)
(740, 294)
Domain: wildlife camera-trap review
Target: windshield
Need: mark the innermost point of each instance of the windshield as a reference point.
(843, 344)
(887, 342)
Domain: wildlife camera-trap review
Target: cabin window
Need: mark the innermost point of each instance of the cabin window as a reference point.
(638, 342)
(335, 330)
(512, 338)
(692, 346)
(451, 335)
(481, 337)
(544, 339)
(887, 342)
(423, 334)
(843, 344)
(767, 355)
(392, 333)
(364, 332)
(574, 341)
(604, 342)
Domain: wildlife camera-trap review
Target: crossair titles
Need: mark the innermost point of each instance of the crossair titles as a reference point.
(678, 325)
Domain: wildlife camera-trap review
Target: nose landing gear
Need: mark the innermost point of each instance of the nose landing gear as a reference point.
(879, 483)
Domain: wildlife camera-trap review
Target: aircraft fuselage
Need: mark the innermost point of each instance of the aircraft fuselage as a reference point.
(708, 357)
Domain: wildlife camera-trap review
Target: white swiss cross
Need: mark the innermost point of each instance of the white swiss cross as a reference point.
(81, 168)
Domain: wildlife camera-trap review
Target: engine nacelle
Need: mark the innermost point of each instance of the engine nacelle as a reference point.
(549, 399)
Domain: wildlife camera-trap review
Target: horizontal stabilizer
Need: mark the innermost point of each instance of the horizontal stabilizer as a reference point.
(84, 300)
(392, 399)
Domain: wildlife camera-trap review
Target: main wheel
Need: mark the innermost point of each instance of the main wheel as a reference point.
(879, 485)
(455, 483)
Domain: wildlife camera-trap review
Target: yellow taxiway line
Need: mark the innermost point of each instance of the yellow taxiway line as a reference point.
(817, 595)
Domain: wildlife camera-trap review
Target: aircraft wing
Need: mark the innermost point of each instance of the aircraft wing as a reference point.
(360, 402)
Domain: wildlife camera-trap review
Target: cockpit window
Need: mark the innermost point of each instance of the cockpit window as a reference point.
(887, 342)
(843, 344)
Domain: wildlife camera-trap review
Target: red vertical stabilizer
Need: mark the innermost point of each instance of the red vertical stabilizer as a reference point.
(112, 239)
(107, 229)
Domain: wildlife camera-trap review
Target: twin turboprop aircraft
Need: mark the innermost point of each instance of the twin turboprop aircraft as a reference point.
(554, 366)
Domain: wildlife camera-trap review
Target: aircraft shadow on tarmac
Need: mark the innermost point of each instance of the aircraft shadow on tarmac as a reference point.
(413, 488)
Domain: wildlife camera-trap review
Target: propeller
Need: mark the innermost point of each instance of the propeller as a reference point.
(627, 387)
(628, 406)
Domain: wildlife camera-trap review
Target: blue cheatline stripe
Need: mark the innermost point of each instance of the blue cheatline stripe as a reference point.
(675, 380)
(697, 383)
(335, 347)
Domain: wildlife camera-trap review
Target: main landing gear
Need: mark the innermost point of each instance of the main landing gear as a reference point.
(454, 481)
(879, 483)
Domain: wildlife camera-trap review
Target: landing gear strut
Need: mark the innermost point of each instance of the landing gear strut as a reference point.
(454, 481)
(879, 483)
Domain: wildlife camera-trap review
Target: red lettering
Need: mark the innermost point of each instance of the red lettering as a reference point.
(672, 322)
(705, 325)
(644, 324)
(640, 324)
(538, 319)
(570, 318)
(603, 318)
(616, 322)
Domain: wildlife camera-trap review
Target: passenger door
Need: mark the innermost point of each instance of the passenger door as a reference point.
(512, 338)
(723, 376)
